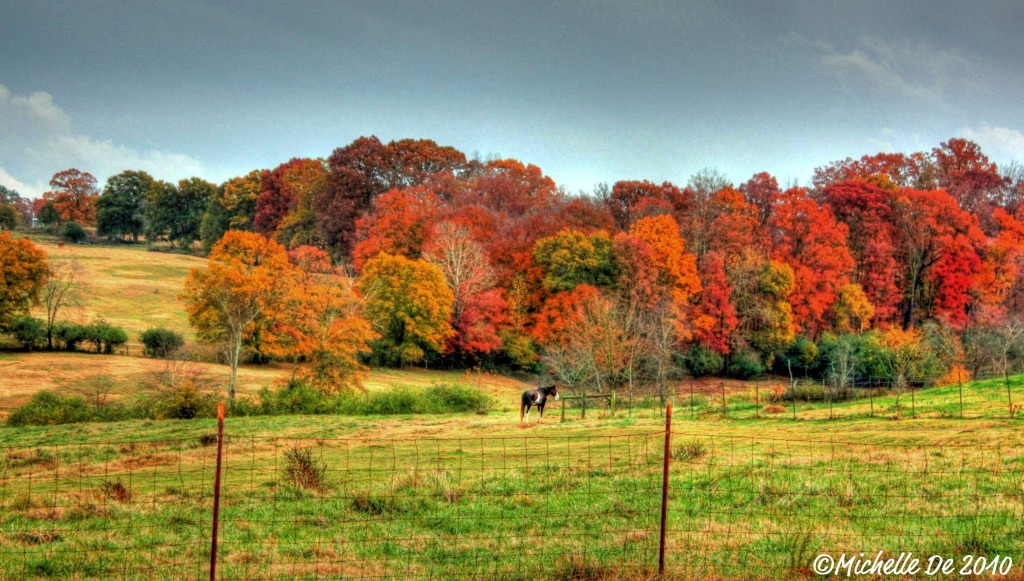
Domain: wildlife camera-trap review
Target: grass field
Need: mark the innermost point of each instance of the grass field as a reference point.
(466, 495)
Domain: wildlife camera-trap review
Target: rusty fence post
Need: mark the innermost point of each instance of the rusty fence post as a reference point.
(216, 490)
(664, 488)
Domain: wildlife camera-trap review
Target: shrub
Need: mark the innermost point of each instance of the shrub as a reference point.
(703, 361)
(161, 342)
(746, 365)
(392, 401)
(69, 335)
(183, 401)
(8, 217)
(73, 232)
(449, 397)
(50, 409)
(105, 336)
(29, 332)
(302, 470)
(773, 409)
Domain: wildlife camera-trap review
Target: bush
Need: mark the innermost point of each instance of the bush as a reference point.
(105, 336)
(29, 332)
(449, 397)
(184, 401)
(69, 335)
(49, 409)
(703, 362)
(746, 365)
(161, 342)
(73, 232)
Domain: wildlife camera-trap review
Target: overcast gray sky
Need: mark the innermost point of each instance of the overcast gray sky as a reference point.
(590, 90)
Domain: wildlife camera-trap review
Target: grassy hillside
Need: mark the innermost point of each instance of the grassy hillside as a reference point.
(128, 285)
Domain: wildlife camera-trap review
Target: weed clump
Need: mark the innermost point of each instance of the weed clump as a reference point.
(304, 471)
(116, 490)
(689, 451)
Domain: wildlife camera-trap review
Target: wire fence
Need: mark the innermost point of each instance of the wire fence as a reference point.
(995, 397)
(571, 505)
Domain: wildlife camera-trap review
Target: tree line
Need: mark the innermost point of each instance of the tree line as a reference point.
(460, 262)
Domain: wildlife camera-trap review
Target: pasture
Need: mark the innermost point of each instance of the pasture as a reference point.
(471, 496)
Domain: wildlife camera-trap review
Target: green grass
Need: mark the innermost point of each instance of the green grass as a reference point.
(464, 495)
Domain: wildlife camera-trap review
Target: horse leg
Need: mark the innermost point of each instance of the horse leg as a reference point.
(527, 415)
(540, 410)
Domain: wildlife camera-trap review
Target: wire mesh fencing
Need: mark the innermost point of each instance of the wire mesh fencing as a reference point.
(573, 504)
(761, 507)
(121, 510)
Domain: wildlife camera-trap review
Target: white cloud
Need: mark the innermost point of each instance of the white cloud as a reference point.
(1000, 143)
(37, 140)
(918, 71)
(29, 191)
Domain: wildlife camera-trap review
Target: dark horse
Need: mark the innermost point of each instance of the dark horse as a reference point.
(536, 397)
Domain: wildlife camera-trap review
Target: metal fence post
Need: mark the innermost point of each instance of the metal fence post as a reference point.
(664, 488)
(216, 490)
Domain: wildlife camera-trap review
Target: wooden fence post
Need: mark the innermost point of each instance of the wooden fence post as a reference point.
(664, 488)
(216, 490)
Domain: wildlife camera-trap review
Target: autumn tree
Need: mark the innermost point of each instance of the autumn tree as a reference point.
(866, 208)
(324, 323)
(400, 223)
(478, 308)
(409, 304)
(676, 268)
(572, 258)
(248, 278)
(589, 357)
(968, 175)
(23, 274)
(761, 191)
(632, 200)
(120, 208)
(286, 207)
(937, 253)
(807, 237)
(73, 195)
(715, 318)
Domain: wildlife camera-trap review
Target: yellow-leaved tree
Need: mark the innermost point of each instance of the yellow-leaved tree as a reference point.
(409, 303)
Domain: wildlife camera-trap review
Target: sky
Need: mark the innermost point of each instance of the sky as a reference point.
(591, 91)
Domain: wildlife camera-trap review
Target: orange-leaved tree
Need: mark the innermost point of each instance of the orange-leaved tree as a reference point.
(677, 269)
(409, 304)
(73, 196)
(325, 323)
(23, 272)
(245, 285)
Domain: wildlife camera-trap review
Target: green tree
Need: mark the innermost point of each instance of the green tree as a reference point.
(120, 209)
(174, 213)
(409, 304)
(8, 217)
(232, 207)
